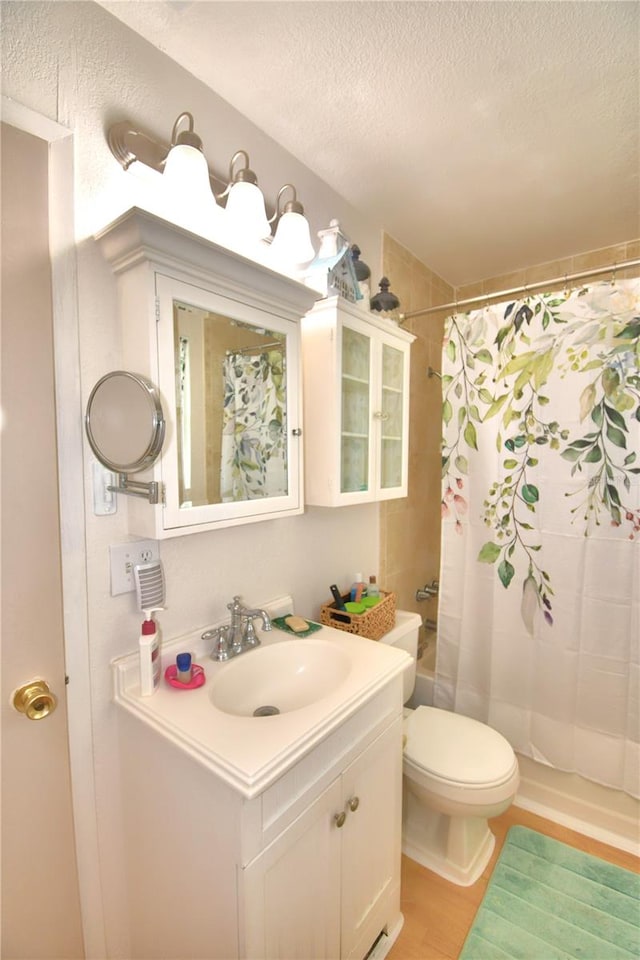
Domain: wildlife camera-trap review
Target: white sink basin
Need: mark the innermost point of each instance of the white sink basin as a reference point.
(317, 683)
(279, 678)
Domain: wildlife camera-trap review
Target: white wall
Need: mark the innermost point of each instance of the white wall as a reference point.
(77, 65)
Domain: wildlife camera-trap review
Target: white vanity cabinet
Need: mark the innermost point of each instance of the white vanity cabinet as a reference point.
(308, 868)
(219, 335)
(356, 397)
(329, 884)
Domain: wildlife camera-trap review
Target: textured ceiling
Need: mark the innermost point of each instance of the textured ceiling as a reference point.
(484, 136)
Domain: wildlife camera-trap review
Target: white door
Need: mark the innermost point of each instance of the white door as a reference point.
(40, 898)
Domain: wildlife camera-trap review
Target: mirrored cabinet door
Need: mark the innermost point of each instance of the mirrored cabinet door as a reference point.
(229, 372)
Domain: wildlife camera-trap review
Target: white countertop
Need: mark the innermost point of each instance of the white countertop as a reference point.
(249, 753)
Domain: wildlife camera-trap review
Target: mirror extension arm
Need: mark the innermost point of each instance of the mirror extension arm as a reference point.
(125, 427)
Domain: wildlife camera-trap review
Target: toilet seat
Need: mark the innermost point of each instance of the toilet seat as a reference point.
(456, 750)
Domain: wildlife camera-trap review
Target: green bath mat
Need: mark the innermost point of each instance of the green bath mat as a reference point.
(547, 901)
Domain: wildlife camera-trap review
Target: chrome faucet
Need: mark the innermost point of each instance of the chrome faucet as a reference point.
(239, 635)
(235, 628)
(428, 591)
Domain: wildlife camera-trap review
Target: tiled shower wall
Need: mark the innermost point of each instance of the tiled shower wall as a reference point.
(410, 528)
(560, 268)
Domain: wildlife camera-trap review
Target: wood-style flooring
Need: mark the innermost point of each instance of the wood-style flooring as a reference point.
(439, 914)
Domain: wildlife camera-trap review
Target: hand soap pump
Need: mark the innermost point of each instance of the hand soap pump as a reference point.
(150, 666)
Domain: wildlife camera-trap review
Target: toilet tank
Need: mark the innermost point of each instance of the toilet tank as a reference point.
(405, 636)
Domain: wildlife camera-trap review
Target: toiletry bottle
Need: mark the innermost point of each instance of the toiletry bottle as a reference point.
(150, 664)
(373, 590)
(358, 589)
(184, 671)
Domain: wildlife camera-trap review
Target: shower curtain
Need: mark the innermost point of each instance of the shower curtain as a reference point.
(539, 617)
(254, 448)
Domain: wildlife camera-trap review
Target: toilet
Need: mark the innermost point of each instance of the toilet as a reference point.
(457, 772)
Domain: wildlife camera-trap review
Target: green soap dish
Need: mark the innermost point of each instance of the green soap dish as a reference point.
(370, 601)
(279, 622)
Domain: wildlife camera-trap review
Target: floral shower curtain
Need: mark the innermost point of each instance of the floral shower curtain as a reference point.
(254, 448)
(539, 617)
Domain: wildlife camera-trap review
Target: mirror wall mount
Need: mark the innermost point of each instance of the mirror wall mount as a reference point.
(151, 491)
(125, 427)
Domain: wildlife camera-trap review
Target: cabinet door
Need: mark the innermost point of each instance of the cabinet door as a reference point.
(291, 891)
(356, 393)
(374, 429)
(371, 843)
(230, 373)
(393, 415)
(356, 461)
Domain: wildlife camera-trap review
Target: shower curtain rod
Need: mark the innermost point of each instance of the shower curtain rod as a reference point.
(525, 288)
(257, 348)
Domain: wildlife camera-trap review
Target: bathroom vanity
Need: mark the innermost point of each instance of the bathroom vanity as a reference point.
(265, 837)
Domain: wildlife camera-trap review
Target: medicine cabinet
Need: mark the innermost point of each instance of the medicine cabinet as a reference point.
(356, 383)
(220, 336)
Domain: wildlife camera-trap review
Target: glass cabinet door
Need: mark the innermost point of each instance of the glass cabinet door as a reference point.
(356, 417)
(393, 389)
(356, 405)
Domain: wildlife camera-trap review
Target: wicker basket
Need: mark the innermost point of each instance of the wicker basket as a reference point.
(374, 623)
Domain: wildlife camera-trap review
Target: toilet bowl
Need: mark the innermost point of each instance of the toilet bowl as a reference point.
(457, 772)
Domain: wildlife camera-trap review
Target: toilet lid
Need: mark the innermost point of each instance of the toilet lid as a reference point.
(456, 748)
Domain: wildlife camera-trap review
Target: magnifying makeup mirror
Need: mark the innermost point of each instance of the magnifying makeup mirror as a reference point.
(125, 427)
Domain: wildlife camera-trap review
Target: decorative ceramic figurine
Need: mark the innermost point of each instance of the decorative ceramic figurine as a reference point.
(332, 272)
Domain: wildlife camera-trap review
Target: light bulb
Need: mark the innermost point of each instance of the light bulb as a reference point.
(292, 242)
(245, 212)
(187, 188)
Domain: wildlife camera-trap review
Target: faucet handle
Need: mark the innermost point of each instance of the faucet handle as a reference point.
(249, 636)
(220, 637)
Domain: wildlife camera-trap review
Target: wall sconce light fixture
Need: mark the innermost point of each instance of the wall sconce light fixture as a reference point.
(245, 203)
(186, 180)
(292, 240)
(191, 191)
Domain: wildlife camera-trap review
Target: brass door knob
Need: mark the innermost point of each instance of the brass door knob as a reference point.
(35, 700)
(353, 803)
(340, 818)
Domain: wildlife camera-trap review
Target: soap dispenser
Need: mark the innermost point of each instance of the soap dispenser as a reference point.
(358, 589)
(150, 665)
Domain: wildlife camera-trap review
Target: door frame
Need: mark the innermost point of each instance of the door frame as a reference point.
(64, 293)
